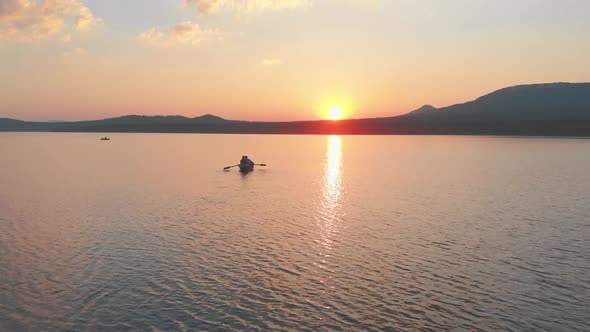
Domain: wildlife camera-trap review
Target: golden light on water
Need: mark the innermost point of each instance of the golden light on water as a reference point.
(332, 173)
(332, 191)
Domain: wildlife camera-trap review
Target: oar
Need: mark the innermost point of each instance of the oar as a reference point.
(228, 167)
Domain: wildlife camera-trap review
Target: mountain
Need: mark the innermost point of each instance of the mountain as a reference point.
(209, 118)
(17, 125)
(554, 109)
(424, 109)
(525, 102)
(537, 109)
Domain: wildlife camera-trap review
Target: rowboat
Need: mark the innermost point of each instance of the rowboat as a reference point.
(246, 168)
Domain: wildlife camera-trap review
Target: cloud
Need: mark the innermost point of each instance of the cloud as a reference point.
(242, 7)
(271, 62)
(67, 39)
(204, 6)
(26, 20)
(183, 33)
(84, 17)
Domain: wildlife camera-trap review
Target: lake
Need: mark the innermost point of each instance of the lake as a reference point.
(354, 233)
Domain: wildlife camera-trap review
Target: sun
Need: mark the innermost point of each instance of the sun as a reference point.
(335, 113)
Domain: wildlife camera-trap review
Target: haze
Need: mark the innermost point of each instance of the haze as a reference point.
(278, 59)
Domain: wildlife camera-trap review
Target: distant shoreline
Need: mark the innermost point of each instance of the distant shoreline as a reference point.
(537, 110)
(275, 134)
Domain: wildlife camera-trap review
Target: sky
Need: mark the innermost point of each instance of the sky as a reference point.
(276, 60)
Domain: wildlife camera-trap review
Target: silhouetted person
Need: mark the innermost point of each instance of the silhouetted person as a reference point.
(249, 162)
(246, 162)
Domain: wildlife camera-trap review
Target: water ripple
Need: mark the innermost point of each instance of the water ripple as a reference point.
(350, 240)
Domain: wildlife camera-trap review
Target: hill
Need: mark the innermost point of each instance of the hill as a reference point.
(538, 109)
(554, 109)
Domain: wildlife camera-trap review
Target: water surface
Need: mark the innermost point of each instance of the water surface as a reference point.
(383, 233)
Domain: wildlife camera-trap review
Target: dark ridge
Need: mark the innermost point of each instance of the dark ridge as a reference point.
(209, 118)
(424, 109)
(554, 109)
(553, 101)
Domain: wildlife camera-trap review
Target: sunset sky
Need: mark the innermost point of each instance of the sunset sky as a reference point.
(278, 59)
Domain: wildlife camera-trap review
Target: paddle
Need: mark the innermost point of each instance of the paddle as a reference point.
(228, 167)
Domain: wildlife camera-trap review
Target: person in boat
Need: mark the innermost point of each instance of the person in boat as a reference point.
(246, 162)
(249, 162)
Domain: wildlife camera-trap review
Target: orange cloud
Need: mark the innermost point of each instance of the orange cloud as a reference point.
(25, 20)
(206, 7)
(183, 33)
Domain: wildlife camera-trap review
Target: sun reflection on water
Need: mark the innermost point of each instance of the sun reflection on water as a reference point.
(332, 175)
(332, 191)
